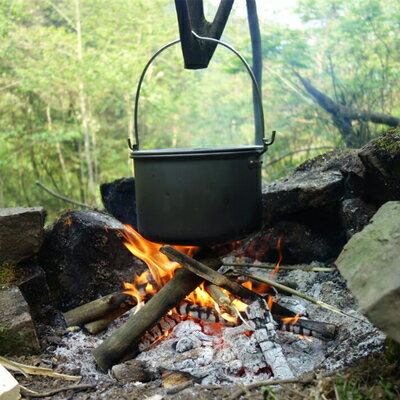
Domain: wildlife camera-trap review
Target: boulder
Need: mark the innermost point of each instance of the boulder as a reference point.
(21, 233)
(355, 214)
(370, 264)
(119, 199)
(301, 190)
(84, 258)
(381, 158)
(17, 332)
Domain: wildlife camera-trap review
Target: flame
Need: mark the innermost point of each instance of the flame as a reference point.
(161, 268)
(291, 320)
(309, 340)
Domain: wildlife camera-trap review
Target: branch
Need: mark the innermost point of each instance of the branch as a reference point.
(197, 54)
(59, 196)
(208, 274)
(348, 113)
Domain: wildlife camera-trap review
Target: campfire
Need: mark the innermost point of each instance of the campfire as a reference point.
(183, 296)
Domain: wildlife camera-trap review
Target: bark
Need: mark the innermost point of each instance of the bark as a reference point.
(98, 309)
(197, 54)
(343, 115)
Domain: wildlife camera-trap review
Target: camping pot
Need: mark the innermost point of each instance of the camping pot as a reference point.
(198, 196)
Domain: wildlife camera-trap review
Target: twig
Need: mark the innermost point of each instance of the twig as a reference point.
(32, 393)
(61, 197)
(30, 370)
(299, 294)
(305, 380)
(282, 267)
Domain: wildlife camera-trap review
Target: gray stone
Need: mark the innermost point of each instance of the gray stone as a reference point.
(355, 214)
(17, 332)
(370, 262)
(300, 191)
(21, 233)
(381, 159)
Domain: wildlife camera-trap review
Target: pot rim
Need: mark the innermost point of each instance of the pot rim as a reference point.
(198, 151)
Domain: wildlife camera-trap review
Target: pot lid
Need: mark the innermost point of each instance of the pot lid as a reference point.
(187, 151)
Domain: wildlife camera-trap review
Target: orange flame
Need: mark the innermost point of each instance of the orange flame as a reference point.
(309, 340)
(291, 320)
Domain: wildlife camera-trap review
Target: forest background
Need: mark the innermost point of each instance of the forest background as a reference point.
(69, 69)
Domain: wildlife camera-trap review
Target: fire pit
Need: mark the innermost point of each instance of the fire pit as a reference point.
(200, 341)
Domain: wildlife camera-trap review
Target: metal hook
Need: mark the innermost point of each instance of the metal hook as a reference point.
(269, 142)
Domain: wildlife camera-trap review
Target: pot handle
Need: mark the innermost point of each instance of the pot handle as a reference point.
(266, 143)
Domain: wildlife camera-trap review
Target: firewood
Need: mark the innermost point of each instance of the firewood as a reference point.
(99, 309)
(123, 342)
(306, 327)
(220, 280)
(94, 327)
(208, 274)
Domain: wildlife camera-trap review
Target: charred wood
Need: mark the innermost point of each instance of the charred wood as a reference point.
(317, 329)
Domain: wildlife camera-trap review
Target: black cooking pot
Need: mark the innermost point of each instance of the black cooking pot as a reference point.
(198, 196)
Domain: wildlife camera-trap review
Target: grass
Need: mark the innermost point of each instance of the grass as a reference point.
(376, 377)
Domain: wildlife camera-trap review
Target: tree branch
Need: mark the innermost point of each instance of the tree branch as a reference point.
(59, 196)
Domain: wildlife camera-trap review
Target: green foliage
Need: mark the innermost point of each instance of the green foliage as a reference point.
(349, 50)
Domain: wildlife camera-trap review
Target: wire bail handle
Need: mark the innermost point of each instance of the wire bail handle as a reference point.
(266, 142)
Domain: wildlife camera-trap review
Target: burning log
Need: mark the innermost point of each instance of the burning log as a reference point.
(123, 342)
(306, 327)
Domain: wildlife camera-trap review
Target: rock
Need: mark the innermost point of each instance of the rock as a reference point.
(119, 200)
(132, 371)
(84, 258)
(17, 332)
(381, 158)
(355, 214)
(21, 233)
(300, 191)
(299, 243)
(36, 292)
(370, 264)
(9, 387)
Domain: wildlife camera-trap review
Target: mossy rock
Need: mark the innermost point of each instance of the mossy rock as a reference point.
(390, 141)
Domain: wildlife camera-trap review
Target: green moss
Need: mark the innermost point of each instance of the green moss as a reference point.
(390, 141)
(7, 275)
(16, 342)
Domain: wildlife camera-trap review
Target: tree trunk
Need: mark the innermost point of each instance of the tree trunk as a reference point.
(84, 110)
